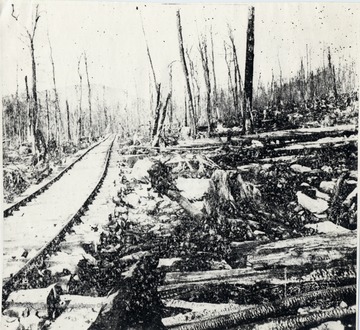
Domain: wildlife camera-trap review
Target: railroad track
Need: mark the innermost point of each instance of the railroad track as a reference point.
(35, 230)
(23, 201)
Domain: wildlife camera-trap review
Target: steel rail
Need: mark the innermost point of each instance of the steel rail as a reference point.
(14, 281)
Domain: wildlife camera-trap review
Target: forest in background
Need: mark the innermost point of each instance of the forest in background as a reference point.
(47, 125)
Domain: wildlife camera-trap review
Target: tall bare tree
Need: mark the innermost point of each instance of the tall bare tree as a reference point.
(249, 73)
(58, 119)
(205, 65)
(89, 96)
(47, 117)
(332, 74)
(237, 79)
(230, 79)
(215, 94)
(80, 132)
(33, 101)
(68, 121)
(193, 127)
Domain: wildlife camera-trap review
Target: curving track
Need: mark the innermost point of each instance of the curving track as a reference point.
(32, 230)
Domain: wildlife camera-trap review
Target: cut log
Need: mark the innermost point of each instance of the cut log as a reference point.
(199, 311)
(309, 250)
(180, 284)
(305, 321)
(277, 308)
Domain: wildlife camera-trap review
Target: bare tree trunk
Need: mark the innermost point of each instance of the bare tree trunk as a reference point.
(237, 82)
(30, 136)
(34, 98)
(215, 96)
(205, 64)
(57, 104)
(156, 139)
(171, 109)
(47, 118)
(186, 73)
(194, 83)
(332, 73)
(249, 72)
(89, 97)
(18, 110)
(230, 82)
(33, 103)
(80, 101)
(68, 121)
(186, 112)
(157, 110)
(157, 89)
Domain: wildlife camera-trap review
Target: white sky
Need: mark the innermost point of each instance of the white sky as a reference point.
(111, 34)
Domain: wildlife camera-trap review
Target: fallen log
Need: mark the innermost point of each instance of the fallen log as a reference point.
(310, 250)
(301, 134)
(276, 308)
(303, 321)
(285, 281)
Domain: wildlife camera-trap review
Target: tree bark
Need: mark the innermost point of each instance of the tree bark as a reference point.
(239, 110)
(47, 117)
(161, 120)
(68, 120)
(29, 130)
(186, 73)
(80, 101)
(266, 310)
(230, 81)
(89, 97)
(58, 120)
(205, 64)
(215, 95)
(249, 72)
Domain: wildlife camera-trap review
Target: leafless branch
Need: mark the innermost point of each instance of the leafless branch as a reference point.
(13, 12)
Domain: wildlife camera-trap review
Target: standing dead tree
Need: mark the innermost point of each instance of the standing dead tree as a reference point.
(239, 110)
(156, 138)
(58, 120)
(205, 65)
(160, 109)
(215, 94)
(157, 88)
(18, 110)
(193, 127)
(68, 121)
(249, 72)
(47, 117)
(33, 101)
(195, 87)
(230, 79)
(80, 101)
(332, 74)
(89, 96)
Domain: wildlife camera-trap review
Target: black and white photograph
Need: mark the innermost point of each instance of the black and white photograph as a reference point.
(181, 166)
